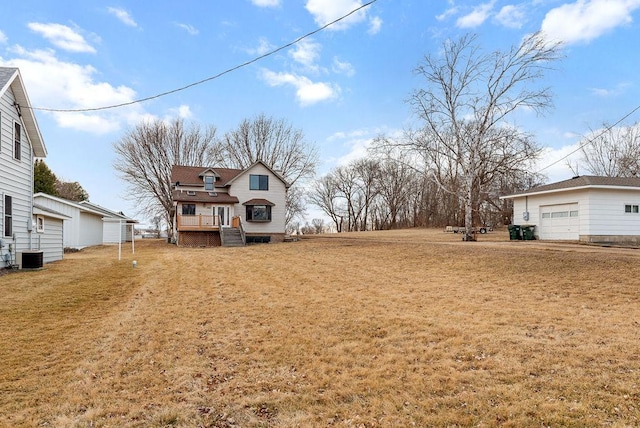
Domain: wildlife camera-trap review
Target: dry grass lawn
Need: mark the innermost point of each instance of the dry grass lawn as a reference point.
(399, 328)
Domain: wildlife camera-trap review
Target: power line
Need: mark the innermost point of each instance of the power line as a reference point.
(199, 82)
(590, 140)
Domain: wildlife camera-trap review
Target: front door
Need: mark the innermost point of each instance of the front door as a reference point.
(223, 215)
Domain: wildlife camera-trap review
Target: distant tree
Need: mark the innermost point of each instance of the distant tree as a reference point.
(276, 143)
(318, 225)
(325, 195)
(146, 154)
(71, 190)
(612, 151)
(464, 104)
(44, 180)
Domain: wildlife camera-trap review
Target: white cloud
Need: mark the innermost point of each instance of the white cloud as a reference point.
(511, 16)
(307, 91)
(266, 3)
(188, 28)
(262, 48)
(306, 52)
(619, 89)
(183, 112)
(554, 161)
(340, 67)
(3, 37)
(585, 20)
(325, 11)
(62, 37)
(447, 13)
(375, 24)
(123, 16)
(53, 83)
(477, 17)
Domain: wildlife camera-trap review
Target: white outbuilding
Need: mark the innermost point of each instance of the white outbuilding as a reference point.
(589, 209)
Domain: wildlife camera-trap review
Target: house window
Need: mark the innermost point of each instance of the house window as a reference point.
(560, 214)
(39, 224)
(188, 209)
(17, 146)
(573, 213)
(8, 229)
(633, 209)
(258, 212)
(208, 182)
(258, 182)
(546, 215)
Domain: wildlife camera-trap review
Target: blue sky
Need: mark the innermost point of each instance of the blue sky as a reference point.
(342, 86)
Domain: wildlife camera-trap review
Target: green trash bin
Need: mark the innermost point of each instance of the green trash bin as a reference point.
(527, 233)
(515, 232)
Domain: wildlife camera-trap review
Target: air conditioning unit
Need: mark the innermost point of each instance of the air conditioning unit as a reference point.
(30, 259)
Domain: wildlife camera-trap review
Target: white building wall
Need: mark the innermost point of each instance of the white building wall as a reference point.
(532, 204)
(71, 236)
(15, 177)
(50, 241)
(601, 212)
(607, 215)
(275, 194)
(91, 230)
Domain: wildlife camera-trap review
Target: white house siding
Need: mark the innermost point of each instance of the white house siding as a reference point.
(71, 236)
(50, 241)
(535, 205)
(91, 227)
(275, 194)
(15, 175)
(607, 215)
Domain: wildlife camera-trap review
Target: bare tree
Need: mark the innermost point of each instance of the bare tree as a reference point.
(325, 195)
(467, 98)
(276, 143)
(613, 151)
(146, 155)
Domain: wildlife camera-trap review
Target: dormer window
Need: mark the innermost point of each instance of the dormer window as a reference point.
(208, 182)
(191, 193)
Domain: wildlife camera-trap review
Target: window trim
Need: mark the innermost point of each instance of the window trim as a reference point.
(212, 184)
(17, 142)
(39, 224)
(8, 217)
(249, 214)
(188, 205)
(631, 209)
(262, 183)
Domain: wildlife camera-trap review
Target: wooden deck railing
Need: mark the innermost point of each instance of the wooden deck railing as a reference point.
(198, 222)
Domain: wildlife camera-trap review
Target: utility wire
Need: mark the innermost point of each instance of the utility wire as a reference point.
(199, 82)
(590, 140)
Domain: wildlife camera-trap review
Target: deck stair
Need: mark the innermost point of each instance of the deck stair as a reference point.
(231, 237)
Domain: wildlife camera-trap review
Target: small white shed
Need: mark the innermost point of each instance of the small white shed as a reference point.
(585, 208)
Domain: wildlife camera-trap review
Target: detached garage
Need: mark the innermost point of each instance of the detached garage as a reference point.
(585, 208)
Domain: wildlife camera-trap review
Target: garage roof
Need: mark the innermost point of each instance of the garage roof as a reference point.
(579, 182)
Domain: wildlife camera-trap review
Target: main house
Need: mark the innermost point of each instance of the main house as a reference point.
(20, 143)
(223, 206)
(586, 208)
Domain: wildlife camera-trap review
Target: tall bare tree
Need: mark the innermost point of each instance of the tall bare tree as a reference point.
(613, 151)
(466, 100)
(146, 154)
(276, 143)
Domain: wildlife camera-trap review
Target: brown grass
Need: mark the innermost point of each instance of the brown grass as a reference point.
(403, 328)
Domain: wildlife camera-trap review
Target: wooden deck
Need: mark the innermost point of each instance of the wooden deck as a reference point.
(198, 222)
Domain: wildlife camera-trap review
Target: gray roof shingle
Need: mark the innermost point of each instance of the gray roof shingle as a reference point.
(584, 181)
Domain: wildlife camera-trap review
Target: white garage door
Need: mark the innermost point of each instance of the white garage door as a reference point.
(559, 222)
